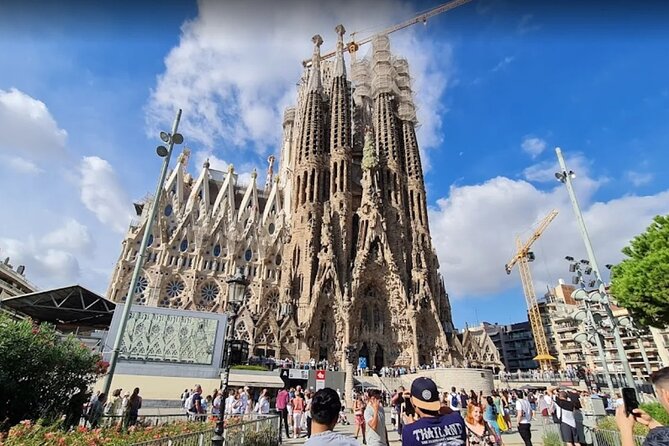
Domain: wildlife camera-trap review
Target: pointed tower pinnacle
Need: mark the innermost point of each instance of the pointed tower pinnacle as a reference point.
(340, 68)
(315, 80)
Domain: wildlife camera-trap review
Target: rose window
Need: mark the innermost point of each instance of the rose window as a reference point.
(209, 293)
(175, 288)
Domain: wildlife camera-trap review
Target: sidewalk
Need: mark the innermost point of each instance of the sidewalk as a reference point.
(510, 439)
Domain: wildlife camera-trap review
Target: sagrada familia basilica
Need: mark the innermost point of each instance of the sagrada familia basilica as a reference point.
(337, 246)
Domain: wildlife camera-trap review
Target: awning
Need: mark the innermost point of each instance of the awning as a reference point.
(238, 378)
(68, 305)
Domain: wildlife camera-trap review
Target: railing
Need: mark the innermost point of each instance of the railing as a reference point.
(200, 438)
(253, 430)
(612, 438)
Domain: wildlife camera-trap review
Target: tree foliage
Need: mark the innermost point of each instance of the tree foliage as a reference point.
(640, 283)
(42, 374)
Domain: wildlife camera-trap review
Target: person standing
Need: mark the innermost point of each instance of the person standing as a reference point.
(376, 420)
(298, 409)
(262, 407)
(132, 408)
(564, 410)
(397, 400)
(325, 408)
(307, 411)
(431, 428)
(454, 400)
(524, 415)
(658, 434)
(490, 415)
(282, 407)
(96, 409)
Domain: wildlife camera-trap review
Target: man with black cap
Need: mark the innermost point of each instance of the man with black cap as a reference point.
(432, 429)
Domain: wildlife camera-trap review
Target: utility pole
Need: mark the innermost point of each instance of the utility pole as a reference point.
(565, 176)
(166, 154)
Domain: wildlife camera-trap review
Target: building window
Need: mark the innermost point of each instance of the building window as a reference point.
(184, 245)
(217, 250)
(168, 210)
(248, 255)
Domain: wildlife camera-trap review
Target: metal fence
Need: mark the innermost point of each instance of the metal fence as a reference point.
(251, 429)
(142, 420)
(201, 438)
(612, 438)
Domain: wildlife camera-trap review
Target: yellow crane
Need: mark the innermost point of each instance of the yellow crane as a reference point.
(523, 257)
(353, 46)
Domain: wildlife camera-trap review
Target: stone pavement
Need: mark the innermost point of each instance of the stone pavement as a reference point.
(510, 439)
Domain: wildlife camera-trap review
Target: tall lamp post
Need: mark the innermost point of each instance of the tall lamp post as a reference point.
(237, 285)
(565, 176)
(165, 153)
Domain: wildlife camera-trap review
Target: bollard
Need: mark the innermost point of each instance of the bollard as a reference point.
(217, 439)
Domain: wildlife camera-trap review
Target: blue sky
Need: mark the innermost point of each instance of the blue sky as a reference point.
(85, 87)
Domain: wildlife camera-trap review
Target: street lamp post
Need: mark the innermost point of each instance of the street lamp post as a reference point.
(237, 285)
(166, 153)
(565, 176)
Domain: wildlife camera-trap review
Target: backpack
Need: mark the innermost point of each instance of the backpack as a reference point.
(189, 404)
(454, 400)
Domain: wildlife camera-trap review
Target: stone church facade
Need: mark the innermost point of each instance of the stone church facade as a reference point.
(337, 246)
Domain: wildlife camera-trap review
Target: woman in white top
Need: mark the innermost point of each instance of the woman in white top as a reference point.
(262, 406)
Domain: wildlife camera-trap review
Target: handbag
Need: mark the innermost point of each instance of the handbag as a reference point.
(502, 423)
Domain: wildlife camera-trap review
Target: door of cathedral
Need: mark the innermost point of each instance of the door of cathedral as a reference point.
(378, 358)
(364, 353)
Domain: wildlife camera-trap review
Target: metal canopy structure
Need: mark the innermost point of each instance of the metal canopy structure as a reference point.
(69, 305)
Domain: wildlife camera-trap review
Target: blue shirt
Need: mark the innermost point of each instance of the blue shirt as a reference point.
(445, 430)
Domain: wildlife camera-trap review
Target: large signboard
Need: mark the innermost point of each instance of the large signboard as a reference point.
(298, 374)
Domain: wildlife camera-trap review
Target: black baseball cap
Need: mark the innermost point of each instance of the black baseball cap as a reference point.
(424, 394)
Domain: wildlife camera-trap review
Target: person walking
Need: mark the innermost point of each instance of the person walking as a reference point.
(113, 410)
(490, 414)
(282, 407)
(309, 396)
(359, 414)
(431, 428)
(96, 409)
(376, 420)
(524, 415)
(262, 406)
(325, 408)
(479, 431)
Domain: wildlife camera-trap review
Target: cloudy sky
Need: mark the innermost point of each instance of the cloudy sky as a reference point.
(86, 86)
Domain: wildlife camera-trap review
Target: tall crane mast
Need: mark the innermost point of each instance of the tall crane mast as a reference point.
(353, 46)
(523, 257)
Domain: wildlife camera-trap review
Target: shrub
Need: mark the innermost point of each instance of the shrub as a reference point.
(656, 411)
(42, 375)
(609, 424)
(551, 439)
(28, 434)
(260, 368)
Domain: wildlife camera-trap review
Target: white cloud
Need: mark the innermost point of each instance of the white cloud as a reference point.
(474, 231)
(102, 194)
(72, 236)
(27, 128)
(533, 146)
(639, 178)
(51, 267)
(237, 63)
(22, 165)
(503, 63)
(527, 25)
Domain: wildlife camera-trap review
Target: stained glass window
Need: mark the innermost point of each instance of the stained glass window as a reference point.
(168, 210)
(248, 255)
(184, 245)
(217, 250)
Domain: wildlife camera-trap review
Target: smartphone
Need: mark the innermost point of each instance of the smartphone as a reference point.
(629, 399)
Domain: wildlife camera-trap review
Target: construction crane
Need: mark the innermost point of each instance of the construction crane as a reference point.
(352, 46)
(523, 257)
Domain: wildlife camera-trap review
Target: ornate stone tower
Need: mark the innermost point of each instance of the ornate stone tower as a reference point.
(362, 268)
(337, 246)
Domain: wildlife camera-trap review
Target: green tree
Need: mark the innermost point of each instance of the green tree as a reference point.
(640, 283)
(42, 374)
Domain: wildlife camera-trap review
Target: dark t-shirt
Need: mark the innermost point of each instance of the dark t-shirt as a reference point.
(445, 430)
(197, 398)
(657, 437)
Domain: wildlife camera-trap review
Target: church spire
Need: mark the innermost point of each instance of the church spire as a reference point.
(340, 67)
(315, 79)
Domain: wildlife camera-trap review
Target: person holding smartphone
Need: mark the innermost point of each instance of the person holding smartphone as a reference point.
(658, 434)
